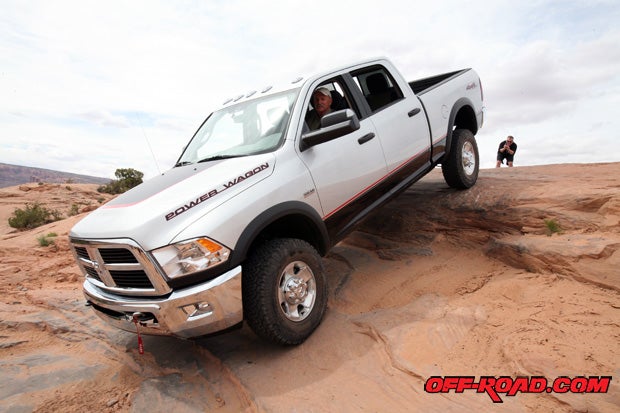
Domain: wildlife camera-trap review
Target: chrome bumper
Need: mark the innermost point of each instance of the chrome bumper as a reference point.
(191, 312)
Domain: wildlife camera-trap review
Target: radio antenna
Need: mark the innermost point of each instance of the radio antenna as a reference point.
(148, 143)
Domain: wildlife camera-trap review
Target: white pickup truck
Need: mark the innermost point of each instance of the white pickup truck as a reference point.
(236, 230)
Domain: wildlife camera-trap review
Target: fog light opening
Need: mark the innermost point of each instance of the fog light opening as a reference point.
(201, 309)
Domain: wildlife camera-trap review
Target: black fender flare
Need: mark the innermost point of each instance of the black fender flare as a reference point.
(316, 234)
(473, 126)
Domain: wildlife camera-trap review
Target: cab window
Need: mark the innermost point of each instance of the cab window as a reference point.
(339, 99)
(378, 87)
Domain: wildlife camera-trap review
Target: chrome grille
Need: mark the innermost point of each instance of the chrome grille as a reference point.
(81, 252)
(119, 266)
(92, 272)
(117, 256)
(131, 279)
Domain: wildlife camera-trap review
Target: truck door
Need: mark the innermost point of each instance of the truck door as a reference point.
(400, 121)
(345, 169)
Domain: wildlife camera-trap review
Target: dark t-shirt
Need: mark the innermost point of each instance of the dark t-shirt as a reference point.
(513, 147)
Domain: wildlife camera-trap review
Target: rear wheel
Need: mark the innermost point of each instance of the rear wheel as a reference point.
(284, 290)
(460, 168)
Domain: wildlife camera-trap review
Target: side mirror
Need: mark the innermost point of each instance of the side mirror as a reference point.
(333, 125)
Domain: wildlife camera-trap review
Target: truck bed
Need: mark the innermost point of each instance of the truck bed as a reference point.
(422, 86)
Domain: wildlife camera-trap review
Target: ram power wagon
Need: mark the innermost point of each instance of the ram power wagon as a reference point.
(236, 229)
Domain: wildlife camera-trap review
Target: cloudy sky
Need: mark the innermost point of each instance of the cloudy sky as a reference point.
(92, 86)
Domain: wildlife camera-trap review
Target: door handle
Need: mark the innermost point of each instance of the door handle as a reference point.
(413, 112)
(365, 138)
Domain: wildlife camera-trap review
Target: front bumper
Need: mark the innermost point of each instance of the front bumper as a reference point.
(191, 312)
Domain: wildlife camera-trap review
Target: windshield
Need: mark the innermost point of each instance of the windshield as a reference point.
(248, 128)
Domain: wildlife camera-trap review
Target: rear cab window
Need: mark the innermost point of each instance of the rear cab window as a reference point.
(377, 86)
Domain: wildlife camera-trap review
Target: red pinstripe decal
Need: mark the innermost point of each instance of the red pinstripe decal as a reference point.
(383, 178)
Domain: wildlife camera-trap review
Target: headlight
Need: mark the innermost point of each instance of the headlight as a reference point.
(188, 257)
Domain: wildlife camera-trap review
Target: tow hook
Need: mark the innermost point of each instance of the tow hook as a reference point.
(135, 317)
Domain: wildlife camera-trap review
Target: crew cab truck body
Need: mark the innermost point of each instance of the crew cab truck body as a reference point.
(235, 231)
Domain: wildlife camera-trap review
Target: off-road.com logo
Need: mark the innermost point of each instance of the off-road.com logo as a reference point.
(511, 386)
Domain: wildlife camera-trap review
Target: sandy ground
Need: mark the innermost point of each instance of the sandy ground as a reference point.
(437, 283)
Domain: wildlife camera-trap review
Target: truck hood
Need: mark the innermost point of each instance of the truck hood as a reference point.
(154, 212)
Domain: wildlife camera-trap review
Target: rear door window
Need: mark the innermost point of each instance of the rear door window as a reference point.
(378, 87)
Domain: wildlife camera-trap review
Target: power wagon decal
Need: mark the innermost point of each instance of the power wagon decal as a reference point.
(215, 191)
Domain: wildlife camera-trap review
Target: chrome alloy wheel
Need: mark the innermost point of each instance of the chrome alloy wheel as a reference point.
(468, 157)
(297, 291)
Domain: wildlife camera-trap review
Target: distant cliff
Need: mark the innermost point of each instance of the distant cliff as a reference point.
(11, 175)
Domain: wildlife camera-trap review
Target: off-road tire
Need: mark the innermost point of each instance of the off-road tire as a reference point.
(460, 167)
(268, 306)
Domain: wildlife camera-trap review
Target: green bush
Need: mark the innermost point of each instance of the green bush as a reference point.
(34, 215)
(127, 179)
(47, 240)
(552, 227)
(75, 209)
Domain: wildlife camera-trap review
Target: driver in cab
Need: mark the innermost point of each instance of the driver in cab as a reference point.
(321, 101)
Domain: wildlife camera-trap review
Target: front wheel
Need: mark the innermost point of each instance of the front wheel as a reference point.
(284, 290)
(460, 167)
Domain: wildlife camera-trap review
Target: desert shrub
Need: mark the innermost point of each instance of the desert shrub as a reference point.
(553, 227)
(34, 215)
(112, 187)
(75, 209)
(47, 240)
(127, 179)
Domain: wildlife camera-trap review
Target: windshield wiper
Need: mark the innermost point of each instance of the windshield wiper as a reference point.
(182, 163)
(218, 157)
